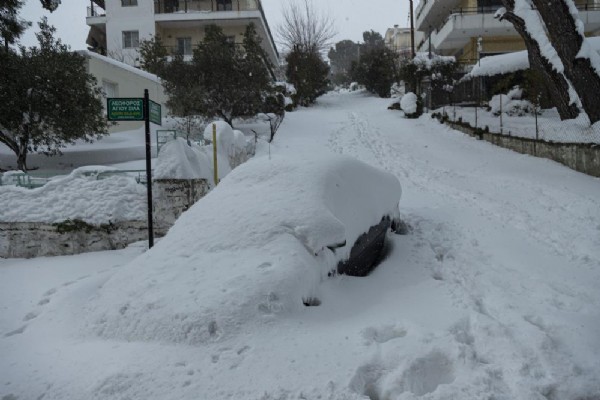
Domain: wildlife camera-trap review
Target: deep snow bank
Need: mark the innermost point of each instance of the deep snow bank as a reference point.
(79, 195)
(254, 247)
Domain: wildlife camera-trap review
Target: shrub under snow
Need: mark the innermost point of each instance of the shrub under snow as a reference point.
(511, 104)
(408, 103)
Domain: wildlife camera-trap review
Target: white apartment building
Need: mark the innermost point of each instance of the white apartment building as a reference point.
(398, 39)
(467, 29)
(118, 26)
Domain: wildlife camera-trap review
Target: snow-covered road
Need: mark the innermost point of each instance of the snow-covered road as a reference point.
(492, 294)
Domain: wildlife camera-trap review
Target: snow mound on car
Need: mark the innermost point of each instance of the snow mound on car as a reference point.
(253, 248)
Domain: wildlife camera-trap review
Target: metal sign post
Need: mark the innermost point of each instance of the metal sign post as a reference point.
(148, 168)
(139, 109)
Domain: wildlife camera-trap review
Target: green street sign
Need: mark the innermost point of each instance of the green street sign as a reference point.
(155, 113)
(125, 109)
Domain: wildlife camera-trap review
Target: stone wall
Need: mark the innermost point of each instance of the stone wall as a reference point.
(578, 156)
(35, 239)
(172, 197)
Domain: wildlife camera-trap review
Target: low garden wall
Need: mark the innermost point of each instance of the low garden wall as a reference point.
(35, 239)
(171, 197)
(581, 157)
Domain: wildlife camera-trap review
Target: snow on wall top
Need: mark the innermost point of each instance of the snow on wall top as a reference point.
(79, 195)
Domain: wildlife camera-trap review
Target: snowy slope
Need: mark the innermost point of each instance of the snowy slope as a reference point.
(493, 294)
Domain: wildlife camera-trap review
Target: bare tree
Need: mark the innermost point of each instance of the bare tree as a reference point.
(304, 28)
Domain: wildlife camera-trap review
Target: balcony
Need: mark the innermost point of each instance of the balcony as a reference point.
(432, 12)
(204, 6)
(95, 14)
(460, 27)
(462, 24)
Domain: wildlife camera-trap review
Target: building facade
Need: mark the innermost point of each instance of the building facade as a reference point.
(118, 26)
(398, 40)
(467, 29)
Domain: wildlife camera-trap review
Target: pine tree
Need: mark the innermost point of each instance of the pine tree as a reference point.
(153, 56)
(11, 26)
(223, 79)
(47, 98)
(308, 73)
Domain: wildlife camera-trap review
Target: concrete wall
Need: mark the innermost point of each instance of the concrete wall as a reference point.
(580, 157)
(174, 196)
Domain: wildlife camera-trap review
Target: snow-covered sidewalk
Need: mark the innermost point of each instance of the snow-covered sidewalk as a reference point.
(493, 293)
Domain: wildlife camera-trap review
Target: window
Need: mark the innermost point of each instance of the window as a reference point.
(488, 6)
(128, 3)
(184, 46)
(224, 5)
(131, 39)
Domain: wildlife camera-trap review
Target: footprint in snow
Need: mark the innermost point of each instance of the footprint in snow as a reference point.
(383, 334)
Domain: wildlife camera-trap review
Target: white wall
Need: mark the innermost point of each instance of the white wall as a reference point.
(119, 19)
(129, 82)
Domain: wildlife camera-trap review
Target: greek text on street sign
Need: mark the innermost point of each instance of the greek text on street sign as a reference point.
(125, 109)
(155, 113)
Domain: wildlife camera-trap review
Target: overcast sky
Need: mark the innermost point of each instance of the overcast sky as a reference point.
(352, 17)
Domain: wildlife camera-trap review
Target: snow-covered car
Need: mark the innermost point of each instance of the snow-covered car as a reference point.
(259, 244)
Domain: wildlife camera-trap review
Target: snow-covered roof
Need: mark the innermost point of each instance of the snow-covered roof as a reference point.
(119, 64)
(512, 62)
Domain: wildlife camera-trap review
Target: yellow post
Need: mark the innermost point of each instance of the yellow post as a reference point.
(215, 166)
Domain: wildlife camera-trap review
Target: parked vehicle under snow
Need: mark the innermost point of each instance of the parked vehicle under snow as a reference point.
(258, 245)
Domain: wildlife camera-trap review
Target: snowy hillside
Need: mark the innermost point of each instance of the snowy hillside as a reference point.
(492, 294)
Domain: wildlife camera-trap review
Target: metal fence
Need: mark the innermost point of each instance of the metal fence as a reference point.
(475, 103)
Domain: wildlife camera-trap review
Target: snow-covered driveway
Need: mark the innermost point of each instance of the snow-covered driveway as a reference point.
(493, 293)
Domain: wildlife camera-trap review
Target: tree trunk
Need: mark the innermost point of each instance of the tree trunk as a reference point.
(22, 151)
(567, 42)
(558, 86)
(22, 161)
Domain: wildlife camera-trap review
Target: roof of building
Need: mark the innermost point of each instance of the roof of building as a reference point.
(119, 64)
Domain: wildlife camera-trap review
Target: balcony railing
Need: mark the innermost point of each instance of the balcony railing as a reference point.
(187, 6)
(95, 11)
(463, 11)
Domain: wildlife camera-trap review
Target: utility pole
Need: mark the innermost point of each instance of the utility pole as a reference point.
(430, 42)
(412, 31)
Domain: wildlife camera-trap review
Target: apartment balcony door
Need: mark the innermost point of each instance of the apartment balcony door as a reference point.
(224, 5)
(488, 6)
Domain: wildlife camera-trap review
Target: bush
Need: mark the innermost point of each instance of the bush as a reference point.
(308, 73)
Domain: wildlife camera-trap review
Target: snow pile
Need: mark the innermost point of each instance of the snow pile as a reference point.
(408, 103)
(178, 160)
(255, 246)
(80, 195)
(511, 104)
(232, 147)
